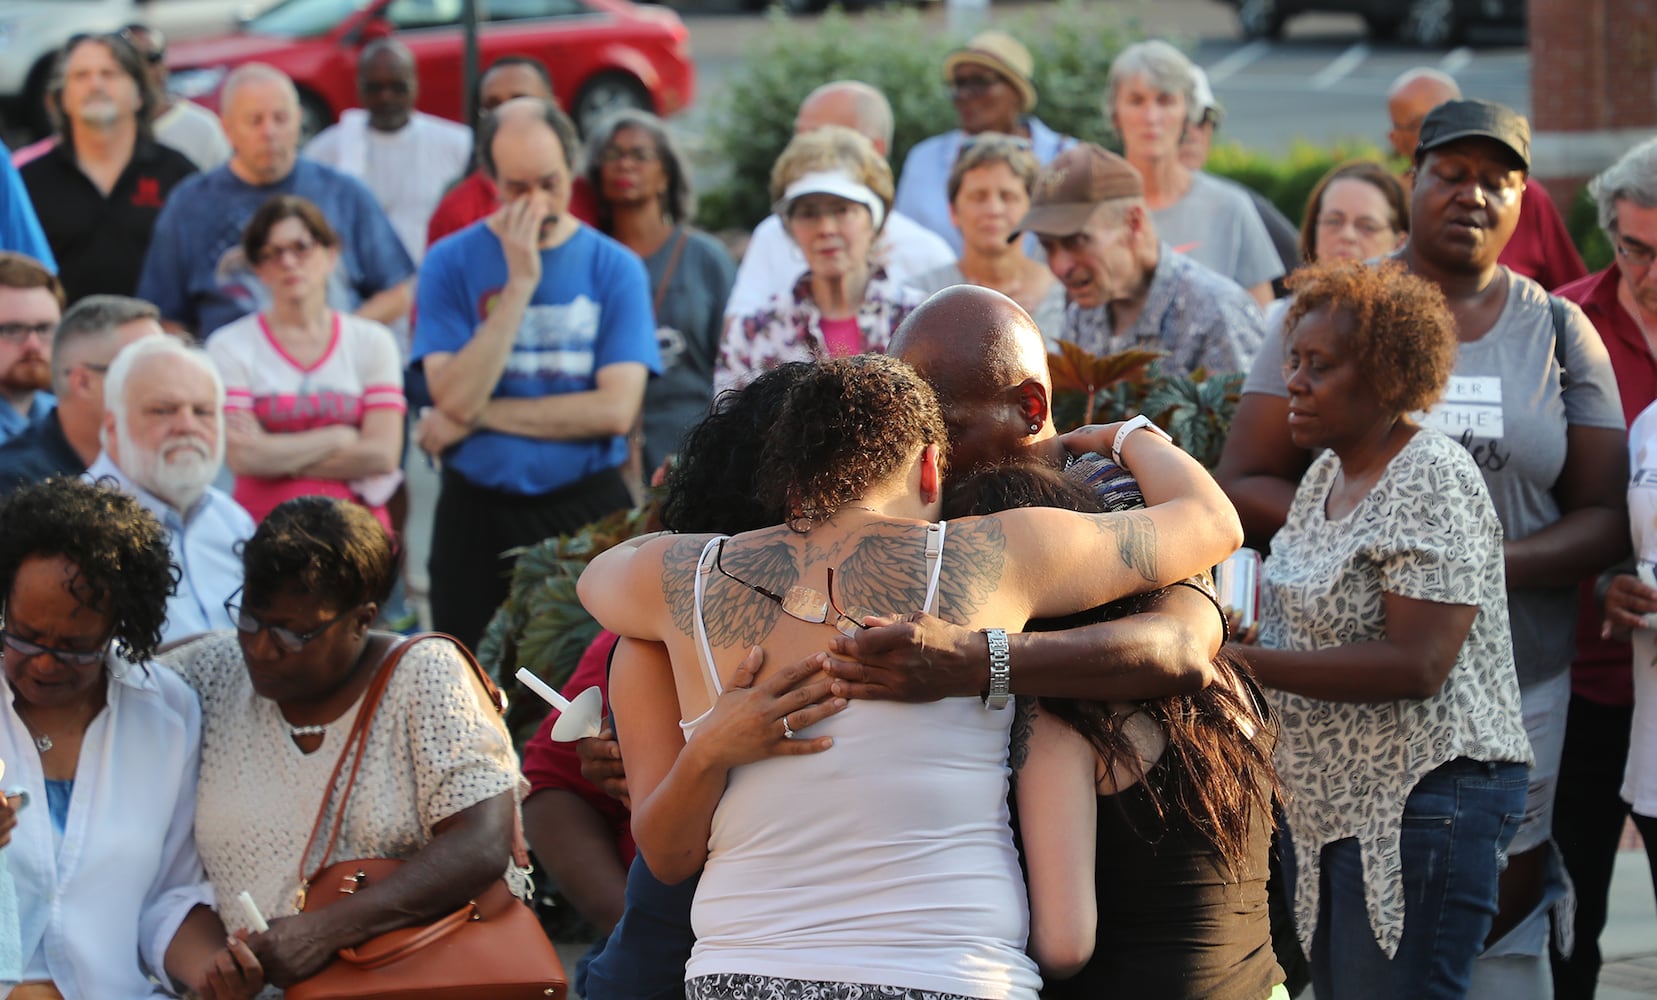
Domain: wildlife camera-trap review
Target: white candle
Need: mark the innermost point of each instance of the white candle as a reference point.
(254, 917)
(541, 688)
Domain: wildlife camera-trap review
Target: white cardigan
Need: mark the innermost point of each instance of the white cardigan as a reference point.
(99, 908)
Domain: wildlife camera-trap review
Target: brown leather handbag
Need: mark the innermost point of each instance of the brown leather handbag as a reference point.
(493, 948)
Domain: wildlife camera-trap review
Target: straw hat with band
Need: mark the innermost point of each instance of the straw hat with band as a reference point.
(834, 182)
(1002, 54)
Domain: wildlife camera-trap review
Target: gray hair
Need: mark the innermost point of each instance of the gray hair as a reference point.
(144, 348)
(679, 203)
(254, 72)
(1632, 178)
(1166, 67)
(1434, 74)
(93, 318)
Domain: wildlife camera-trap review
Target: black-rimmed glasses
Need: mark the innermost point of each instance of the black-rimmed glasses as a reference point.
(68, 657)
(290, 641)
(1637, 254)
(803, 603)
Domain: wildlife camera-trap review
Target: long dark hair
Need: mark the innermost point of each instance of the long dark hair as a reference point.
(1228, 774)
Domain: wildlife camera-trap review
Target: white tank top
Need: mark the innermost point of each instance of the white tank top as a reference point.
(886, 860)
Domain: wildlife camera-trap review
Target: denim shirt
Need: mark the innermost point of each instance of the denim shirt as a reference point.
(13, 423)
(205, 546)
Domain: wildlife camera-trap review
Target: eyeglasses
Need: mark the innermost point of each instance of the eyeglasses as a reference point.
(1365, 226)
(23, 331)
(68, 657)
(1636, 254)
(298, 251)
(287, 638)
(970, 86)
(636, 154)
(803, 603)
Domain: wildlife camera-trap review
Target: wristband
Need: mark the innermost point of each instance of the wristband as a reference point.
(1128, 428)
(1001, 670)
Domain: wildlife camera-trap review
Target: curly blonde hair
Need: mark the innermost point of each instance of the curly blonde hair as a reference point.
(1401, 331)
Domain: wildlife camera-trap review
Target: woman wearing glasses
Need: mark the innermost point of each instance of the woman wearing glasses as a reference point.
(279, 695)
(833, 192)
(313, 397)
(989, 192)
(103, 746)
(885, 861)
(645, 202)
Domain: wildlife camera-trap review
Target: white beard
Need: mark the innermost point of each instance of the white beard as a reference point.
(179, 473)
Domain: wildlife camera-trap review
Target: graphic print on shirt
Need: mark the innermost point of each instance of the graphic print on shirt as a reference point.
(554, 343)
(1470, 412)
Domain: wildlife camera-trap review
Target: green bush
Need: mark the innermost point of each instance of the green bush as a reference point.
(1287, 181)
(1072, 45)
(1582, 221)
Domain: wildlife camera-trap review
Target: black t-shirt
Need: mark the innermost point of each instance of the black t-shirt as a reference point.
(100, 240)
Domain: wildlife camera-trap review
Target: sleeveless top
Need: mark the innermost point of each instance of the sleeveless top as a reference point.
(1174, 921)
(887, 860)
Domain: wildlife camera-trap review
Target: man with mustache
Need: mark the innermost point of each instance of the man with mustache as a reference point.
(31, 303)
(99, 191)
(535, 336)
(163, 438)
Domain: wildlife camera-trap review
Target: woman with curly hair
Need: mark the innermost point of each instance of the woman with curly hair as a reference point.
(434, 777)
(1145, 825)
(106, 745)
(880, 856)
(1384, 642)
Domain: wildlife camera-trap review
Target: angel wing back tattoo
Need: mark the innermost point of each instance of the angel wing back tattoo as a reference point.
(734, 614)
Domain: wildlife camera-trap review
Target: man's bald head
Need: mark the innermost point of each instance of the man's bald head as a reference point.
(984, 357)
(1412, 95)
(852, 104)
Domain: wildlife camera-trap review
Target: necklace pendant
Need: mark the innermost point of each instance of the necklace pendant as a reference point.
(43, 743)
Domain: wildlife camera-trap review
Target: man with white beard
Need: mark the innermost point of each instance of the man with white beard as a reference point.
(163, 440)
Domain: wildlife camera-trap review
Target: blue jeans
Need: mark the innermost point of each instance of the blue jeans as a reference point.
(644, 958)
(1458, 822)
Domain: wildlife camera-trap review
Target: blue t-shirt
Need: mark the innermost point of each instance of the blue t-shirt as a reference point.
(19, 226)
(591, 309)
(195, 271)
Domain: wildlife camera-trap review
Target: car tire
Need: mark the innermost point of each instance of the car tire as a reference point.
(1260, 18)
(1383, 27)
(605, 94)
(1431, 24)
(314, 115)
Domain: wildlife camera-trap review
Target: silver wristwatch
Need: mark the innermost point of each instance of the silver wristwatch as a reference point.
(1001, 670)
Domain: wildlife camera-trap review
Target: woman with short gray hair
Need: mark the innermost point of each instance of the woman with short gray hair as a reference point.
(1148, 102)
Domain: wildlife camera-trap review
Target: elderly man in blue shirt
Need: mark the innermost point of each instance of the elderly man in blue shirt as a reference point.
(164, 444)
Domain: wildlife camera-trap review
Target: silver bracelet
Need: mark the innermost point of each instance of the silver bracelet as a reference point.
(1001, 669)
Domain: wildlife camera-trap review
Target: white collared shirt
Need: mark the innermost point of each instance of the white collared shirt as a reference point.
(111, 892)
(205, 545)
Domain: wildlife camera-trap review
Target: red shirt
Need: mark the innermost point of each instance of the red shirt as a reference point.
(475, 197)
(1541, 248)
(555, 765)
(1603, 669)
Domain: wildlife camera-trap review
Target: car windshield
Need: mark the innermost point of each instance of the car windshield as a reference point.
(303, 18)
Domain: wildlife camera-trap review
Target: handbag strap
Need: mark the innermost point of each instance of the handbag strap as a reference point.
(358, 739)
(667, 275)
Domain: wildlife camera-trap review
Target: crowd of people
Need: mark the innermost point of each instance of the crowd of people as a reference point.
(916, 697)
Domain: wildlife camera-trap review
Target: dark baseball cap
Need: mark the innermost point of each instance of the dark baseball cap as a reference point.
(1456, 120)
(1078, 181)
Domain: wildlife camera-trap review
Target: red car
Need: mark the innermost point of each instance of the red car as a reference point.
(603, 54)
